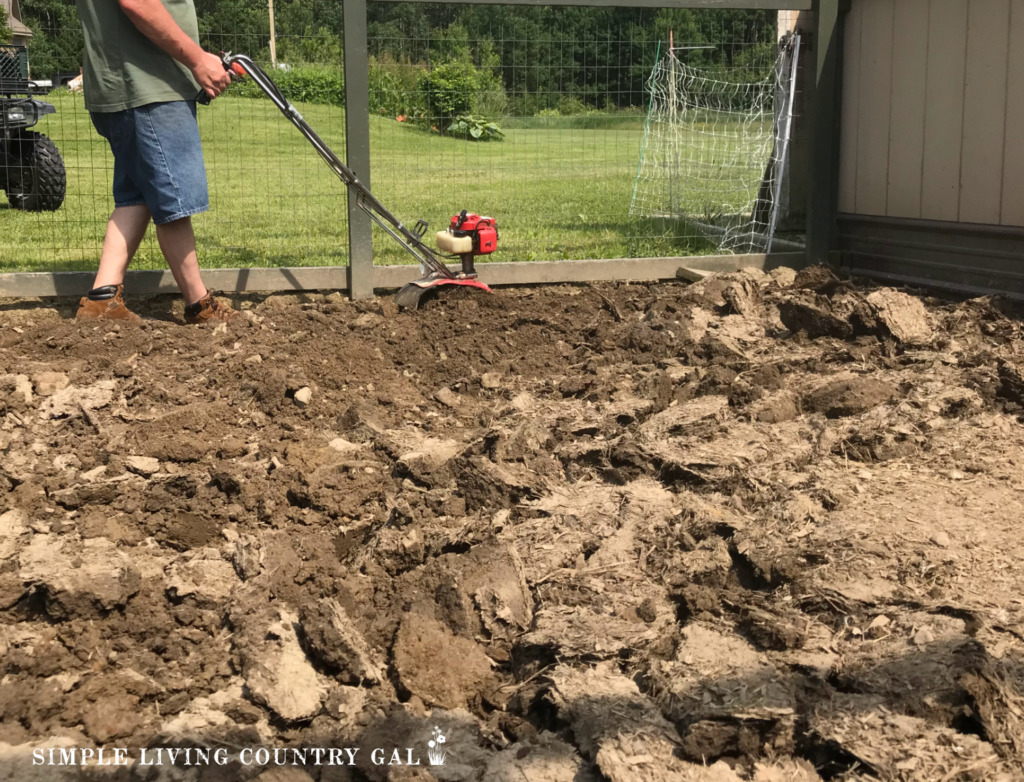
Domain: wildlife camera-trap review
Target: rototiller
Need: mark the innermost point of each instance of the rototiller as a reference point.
(467, 236)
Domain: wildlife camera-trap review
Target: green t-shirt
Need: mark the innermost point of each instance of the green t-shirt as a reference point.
(122, 68)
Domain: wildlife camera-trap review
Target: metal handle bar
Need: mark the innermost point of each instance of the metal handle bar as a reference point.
(366, 200)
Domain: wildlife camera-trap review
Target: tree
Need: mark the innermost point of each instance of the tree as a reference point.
(56, 43)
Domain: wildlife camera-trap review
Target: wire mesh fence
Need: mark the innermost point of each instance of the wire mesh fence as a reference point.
(533, 115)
(716, 146)
(272, 203)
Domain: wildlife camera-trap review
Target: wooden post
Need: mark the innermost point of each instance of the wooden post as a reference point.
(792, 207)
(273, 37)
(357, 146)
(823, 194)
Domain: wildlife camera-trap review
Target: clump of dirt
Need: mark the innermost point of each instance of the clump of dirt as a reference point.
(760, 527)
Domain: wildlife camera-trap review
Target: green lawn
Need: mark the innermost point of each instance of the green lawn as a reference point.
(557, 193)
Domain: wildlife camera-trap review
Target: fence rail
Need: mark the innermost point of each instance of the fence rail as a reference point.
(569, 105)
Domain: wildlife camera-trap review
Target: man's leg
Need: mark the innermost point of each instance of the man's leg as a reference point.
(125, 230)
(173, 174)
(178, 244)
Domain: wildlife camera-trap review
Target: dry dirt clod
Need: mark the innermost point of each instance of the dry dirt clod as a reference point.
(467, 752)
(923, 637)
(232, 448)
(788, 770)
(904, 316)
(303, 397)
(73, 401)
(783, 276)
(142, 465)
(337, 643)
(247, 557)
(112, 718)
(941, 539)
(274, 666)
(204, 576)
(846, 397)
(878, 626)
(13, 524)
(425, 655)
(79, 581)
(49, 383)
(622, 731)
(777, 408)
(491, 380)
(343, 446)
(690, 274)
(544, 758)
(19, 385)
(448, 398)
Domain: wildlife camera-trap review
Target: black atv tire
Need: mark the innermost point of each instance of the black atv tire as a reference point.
(36, 180)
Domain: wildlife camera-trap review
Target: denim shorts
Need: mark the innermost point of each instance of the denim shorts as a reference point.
(158, 159)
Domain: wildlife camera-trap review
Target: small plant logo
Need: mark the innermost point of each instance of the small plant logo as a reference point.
(435, 754)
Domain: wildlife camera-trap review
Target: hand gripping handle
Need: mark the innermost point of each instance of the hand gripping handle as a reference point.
(236, 72)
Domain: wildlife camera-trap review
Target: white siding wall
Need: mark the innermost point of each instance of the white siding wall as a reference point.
(933, 110)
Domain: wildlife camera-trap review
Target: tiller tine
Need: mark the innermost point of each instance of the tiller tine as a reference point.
(414, 293)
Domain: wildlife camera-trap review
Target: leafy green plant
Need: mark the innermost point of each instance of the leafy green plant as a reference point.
(306, 83)
(476, 128)
(447, 92)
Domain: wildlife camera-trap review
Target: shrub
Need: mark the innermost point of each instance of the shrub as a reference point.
(571, 106)
(447, 92)
(306, 83)
(530, 103)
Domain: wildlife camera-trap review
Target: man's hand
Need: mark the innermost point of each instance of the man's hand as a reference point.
(209, 72)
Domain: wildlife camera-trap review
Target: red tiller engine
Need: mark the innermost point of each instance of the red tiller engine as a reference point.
(467, 236)
(481, 230)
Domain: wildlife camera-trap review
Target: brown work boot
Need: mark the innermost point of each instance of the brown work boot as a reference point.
(208, 309)
(107, 309)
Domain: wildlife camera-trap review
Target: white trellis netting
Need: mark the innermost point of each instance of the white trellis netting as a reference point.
(714, 150)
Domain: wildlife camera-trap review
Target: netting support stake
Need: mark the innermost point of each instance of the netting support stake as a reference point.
(787, 127)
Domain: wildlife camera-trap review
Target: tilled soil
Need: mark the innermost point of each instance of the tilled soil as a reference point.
(756, 528)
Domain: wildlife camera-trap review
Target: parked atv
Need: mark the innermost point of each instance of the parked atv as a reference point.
(31, 168)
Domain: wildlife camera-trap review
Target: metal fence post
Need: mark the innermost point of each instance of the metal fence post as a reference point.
(823, 195)
(357, 146)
